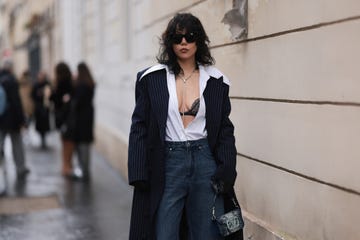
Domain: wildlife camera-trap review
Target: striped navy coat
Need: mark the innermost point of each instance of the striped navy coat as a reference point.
(147, 138)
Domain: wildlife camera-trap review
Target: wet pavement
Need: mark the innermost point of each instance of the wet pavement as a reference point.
(97, 210)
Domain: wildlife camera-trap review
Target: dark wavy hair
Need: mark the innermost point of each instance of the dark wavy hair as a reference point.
(189, 23)
(84, 75)
(63, 75)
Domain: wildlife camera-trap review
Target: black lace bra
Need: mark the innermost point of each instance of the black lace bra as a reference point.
(194, 108)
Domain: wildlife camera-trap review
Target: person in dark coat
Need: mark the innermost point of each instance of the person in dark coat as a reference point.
(12, 120)
(40, 94)
(61, 98)
(181, 144)
(84, 114)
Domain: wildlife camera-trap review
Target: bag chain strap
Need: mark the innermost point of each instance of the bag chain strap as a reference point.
(213, 217)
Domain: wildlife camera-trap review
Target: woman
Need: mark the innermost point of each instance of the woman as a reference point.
(84, 111)
(39, 95)
(61, 98)
(181, 140)
(25, 88)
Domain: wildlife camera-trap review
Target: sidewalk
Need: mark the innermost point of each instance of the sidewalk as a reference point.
(48, 207)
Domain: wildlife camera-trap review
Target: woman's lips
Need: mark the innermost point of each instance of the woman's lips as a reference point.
(184, 50)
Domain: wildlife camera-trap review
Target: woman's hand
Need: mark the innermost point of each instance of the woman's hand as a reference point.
(220, 187)
(66, 98)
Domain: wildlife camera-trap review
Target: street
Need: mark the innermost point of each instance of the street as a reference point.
(49, 207)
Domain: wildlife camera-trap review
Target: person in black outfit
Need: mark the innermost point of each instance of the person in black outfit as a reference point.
(61, 98)
(40, 95)
(84, 114)
(13, 119)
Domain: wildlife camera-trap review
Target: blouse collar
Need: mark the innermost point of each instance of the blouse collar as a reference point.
(205, 72)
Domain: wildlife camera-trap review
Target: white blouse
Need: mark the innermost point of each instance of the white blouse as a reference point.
(175, 130)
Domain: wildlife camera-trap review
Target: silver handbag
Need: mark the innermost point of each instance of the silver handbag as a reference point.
(230, 222)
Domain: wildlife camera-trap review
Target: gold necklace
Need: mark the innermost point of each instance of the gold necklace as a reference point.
(188, 77)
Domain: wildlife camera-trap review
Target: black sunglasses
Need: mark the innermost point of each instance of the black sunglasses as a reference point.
(189, 37)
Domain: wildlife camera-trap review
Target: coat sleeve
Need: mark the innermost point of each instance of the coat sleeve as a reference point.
(15, 101)
(137, 159)
(83, 96)
(225, 147)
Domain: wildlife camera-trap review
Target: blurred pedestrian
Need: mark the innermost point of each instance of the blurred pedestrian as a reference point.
(181, 145)
(25, 88)
(40, 94)
(61, 97)
(84, 111)
(12, 119)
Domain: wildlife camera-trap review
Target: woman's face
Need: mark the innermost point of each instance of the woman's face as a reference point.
(185, 48)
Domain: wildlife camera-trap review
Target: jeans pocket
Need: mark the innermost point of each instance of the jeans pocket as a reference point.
(205, 162)
(206, 152)
(174, 162)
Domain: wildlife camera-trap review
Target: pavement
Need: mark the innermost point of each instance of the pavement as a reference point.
(47, 206)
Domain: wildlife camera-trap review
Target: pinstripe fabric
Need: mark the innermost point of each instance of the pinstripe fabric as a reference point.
(147, 138)
(220, 129)
(138, 134)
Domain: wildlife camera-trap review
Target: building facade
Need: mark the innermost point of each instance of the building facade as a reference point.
(26, 35)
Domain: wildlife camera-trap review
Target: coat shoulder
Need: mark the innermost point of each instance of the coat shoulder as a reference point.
(216, 73)
(150, 70)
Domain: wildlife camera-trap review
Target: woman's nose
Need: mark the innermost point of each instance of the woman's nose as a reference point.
(183, 40)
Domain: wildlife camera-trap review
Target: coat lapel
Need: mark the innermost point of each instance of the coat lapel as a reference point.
(159, 93)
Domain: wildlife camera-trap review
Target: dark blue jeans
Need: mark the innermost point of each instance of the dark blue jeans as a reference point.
(188, 169)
